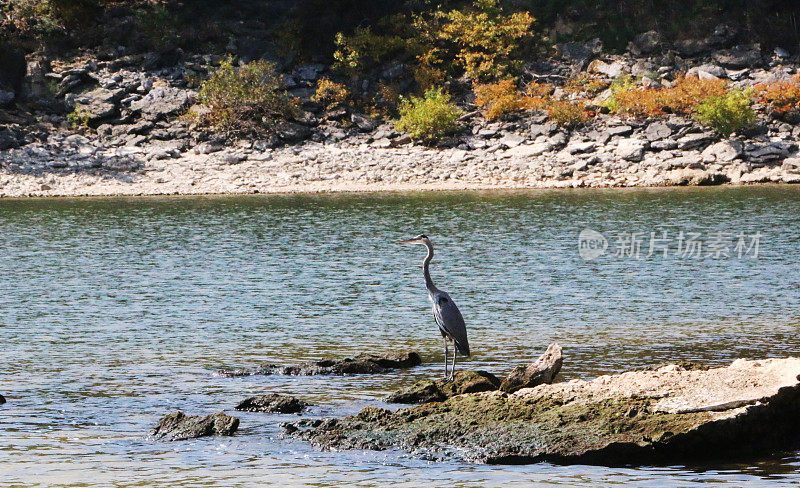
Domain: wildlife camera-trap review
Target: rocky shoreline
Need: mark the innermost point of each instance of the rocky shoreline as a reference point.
(639, 417)
(133, 140)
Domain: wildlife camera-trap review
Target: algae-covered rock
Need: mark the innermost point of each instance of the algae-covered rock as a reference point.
(438, 390)
(361, 364)
(272, 403)
(662, 416)
(543, 370)
(178, 426)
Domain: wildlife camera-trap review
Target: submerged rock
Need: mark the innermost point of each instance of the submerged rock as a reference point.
(178, 426)
(439, 390)
(662, 416)
(361, 364)
(272, 403)
(543, 370)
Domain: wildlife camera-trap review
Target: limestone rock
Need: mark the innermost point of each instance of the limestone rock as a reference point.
(272, 403)
(645, 43)
(739, 57)
(723, 151)
(630, 149)
(435, 391)
(667, 415)
(361, 364)
(162, 102)
(542, 371)
(178, 426)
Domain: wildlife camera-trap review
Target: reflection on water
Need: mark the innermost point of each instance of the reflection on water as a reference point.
(116, 311)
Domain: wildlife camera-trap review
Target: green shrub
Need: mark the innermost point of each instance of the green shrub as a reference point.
(78, 117)
(482, 40)
(566, 113)
(430, 117)
(245, 100)
(727, 113)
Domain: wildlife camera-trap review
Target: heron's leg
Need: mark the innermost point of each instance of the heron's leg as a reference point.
(445, 358)
(453, 371)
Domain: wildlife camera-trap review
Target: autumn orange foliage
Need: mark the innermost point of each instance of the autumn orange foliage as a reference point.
(782, 96)
(681, 98)
(503, 97)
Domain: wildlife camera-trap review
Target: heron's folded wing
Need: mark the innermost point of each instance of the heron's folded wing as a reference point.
(449, 318)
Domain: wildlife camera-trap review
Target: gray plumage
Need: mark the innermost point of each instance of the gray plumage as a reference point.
(445, 312)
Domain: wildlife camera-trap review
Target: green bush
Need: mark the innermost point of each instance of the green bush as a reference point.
(79, 117)
(430, 117)
(727, 113)
(566, 113)
(245, 100)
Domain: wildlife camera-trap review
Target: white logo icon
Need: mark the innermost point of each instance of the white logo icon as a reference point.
(591, 244)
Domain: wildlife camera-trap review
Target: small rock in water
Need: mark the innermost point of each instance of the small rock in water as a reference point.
(178, 426)
(362, 364)
(2, 399)
(272, 403)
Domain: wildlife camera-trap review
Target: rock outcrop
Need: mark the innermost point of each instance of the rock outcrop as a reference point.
(438, 390)
(662, 416)
(361, 364)
(543, 370)
(272, 403)
(178, 426)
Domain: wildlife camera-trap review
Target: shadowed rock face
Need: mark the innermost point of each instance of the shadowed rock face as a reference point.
(361, 364)
(662, 416)
(272, 403)
(178, 426)
(438, 390)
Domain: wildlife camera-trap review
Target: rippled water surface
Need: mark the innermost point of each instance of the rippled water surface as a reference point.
(114, 312)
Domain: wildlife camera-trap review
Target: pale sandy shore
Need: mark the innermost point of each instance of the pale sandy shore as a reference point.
(87, 170)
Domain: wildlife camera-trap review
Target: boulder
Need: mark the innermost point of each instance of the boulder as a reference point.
(438, 390)
(364, 123)
(630, 150)
(8, 140)
(162, 102)
(645, 43)
(739, 57)
(362, 364)
(178, 426)
(542, 371)
(695, 141)
(609, 70)
(272, 403)
(6, 97)
(670, 415)
(763, 153)
(723, 151)
(657, 131)
(791, 165)
(97, 105)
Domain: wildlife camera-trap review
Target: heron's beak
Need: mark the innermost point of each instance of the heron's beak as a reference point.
(408, 241)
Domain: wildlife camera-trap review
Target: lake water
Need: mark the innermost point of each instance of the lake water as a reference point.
(114, 312)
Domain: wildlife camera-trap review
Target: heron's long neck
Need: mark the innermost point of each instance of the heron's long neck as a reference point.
(426, 271)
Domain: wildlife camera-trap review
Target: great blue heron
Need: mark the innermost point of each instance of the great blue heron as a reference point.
(445, 311)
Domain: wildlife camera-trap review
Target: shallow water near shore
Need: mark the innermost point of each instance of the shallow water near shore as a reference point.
(117, 311)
